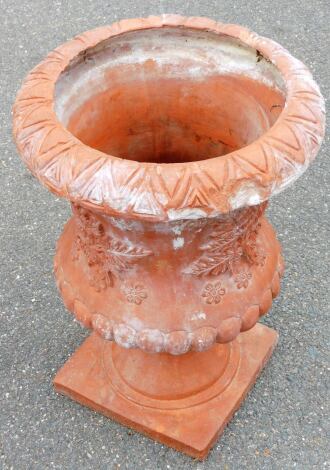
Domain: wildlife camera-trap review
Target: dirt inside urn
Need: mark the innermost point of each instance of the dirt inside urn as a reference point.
(169, 96)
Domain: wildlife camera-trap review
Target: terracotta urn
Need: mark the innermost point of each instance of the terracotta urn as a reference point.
(168, 135)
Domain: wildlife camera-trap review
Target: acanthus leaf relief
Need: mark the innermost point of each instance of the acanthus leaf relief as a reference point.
(233, 239)
(107, 257)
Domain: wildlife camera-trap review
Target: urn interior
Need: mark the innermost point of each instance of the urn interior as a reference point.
(169, 95)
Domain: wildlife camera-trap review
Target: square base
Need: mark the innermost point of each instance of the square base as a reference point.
(192, 430)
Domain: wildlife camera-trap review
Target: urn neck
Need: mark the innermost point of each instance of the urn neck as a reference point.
(114, 245)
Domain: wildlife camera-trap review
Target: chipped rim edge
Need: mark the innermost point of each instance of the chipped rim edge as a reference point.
(264, 172)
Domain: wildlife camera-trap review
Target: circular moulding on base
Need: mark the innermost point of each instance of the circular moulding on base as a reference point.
(132, 374)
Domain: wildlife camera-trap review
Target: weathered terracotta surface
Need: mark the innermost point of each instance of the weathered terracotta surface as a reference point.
(132, 284)
(168, 398)
(168, 135)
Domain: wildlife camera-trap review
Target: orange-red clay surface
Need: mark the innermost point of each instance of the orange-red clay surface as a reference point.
(168, 135)
(161, 120)
(184, 401)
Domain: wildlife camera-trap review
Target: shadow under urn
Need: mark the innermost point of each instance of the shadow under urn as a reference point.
(168, 135)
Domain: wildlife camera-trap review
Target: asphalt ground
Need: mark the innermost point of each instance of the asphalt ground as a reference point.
(283, 422)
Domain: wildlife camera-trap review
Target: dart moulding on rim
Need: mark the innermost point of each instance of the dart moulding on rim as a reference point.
(168, 135)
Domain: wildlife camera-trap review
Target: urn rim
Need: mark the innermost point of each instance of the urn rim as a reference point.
(168, 191)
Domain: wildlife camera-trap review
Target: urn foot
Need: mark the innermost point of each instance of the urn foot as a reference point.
(181, 401)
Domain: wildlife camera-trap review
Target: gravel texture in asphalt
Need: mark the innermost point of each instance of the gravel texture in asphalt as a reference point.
(282, 423)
